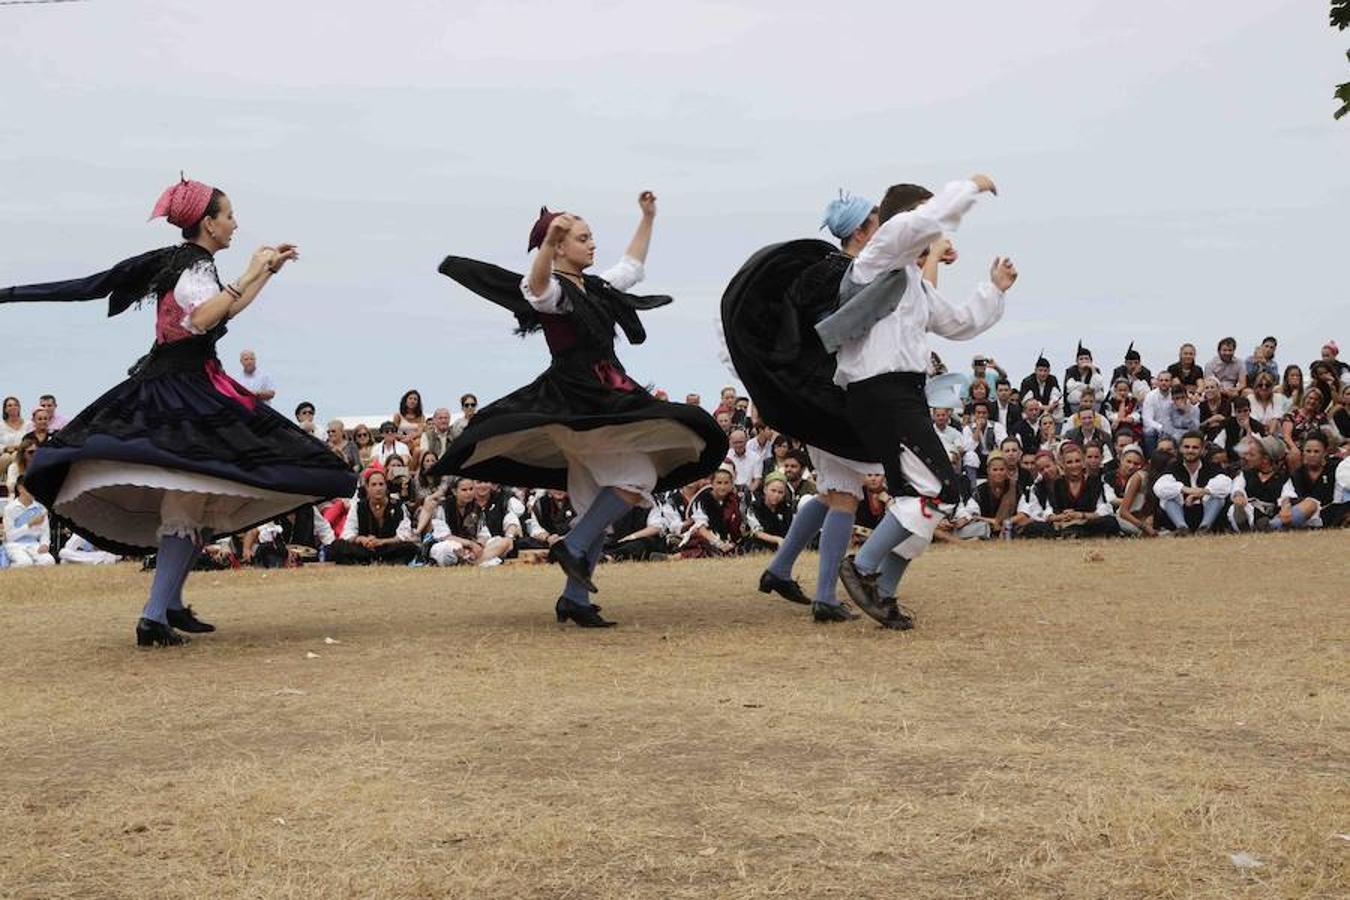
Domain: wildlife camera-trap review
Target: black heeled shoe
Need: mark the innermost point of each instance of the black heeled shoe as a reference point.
(787, 588)
(898, 617)
(572, 566)
(862, 590)
(831, 612)
(559, 609)
(186, 620)
(150, 633)
(584, 616)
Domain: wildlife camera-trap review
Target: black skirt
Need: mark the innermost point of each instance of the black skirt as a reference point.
(578, 405)
(769, 311)
(179, 425)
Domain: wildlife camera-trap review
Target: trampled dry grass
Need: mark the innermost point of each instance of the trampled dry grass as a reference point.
(1119, 732)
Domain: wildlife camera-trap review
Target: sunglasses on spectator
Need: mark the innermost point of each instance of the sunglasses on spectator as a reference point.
(468, 405)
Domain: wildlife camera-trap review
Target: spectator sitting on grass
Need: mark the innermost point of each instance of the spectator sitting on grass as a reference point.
(1193, 492)
(1310, 492)
(376, 530)
(28, 529)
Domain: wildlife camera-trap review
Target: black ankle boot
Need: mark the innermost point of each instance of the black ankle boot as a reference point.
(186, 620)
(584, 616)
(150, 633)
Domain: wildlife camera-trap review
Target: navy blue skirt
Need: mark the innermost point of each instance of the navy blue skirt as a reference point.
(179, 445)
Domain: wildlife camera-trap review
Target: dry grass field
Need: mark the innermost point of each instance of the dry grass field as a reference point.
(1120, 731)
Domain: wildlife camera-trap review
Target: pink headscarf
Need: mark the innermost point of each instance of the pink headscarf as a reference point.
(1331, 345)
(183, 203)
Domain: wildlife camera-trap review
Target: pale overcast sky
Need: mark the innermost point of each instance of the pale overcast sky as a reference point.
(1168, 171)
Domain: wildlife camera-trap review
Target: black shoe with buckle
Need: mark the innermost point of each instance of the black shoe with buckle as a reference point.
(186, 620)
(585, 616)
(862, 590)
(572, 566)
(150, 633)
(897, 616)
(787, 588)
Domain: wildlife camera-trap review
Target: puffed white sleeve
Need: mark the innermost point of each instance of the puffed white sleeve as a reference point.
(1219, 486)
(1104, 506)
(1239, 486)
(971, 508)
(405, 529)
(624, 274)
(195, 286)
(349, 525)
(322, 530)
(961, 322)
(551, 301)
(901, 240)
(1167, 488)
(1289, 492)
(1029, 505)
(658, 517)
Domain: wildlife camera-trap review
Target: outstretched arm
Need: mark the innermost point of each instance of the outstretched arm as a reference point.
(961, 323)
(236, 297)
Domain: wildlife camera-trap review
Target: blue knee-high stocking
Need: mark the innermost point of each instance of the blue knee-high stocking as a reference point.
(887, 536)
(834, 538)
(892, 570)
(805, 524)
(576, 591)
(607, 507)
(171, 560)
(176, 602)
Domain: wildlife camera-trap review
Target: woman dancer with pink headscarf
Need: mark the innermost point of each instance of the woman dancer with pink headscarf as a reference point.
(179, 453)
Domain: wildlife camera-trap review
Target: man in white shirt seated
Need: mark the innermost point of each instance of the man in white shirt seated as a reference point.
(746, 462)
(437, 436)
(78, 551)
(390, 445)
(28, 530)
(258, 382)
(1193, 492)
(1154, 410)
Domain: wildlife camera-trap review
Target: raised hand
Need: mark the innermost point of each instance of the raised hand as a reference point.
(558, 228)
(647, 203)
(985, 184)
(283, 254)
(943, 250)
(1003, 273)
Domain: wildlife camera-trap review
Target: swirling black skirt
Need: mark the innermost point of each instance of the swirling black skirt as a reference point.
(584, 425)
(180, 447)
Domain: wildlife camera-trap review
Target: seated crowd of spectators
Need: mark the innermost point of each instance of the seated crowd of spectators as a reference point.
(1235, 445)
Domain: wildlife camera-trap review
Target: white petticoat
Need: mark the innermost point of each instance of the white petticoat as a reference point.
(136, 504)
(840, 474)
(630, 457)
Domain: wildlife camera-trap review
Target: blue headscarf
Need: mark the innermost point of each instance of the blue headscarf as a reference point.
(844, 215)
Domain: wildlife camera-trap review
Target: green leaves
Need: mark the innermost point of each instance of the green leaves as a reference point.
(1340, 14)
(1340, 20)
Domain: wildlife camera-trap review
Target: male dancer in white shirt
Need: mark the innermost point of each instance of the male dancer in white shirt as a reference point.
(880, 334)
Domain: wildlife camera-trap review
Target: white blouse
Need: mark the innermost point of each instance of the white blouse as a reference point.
(195, 286)
(626, 273)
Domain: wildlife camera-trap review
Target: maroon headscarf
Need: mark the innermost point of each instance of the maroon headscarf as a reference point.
(540, 229)
(183, 203)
